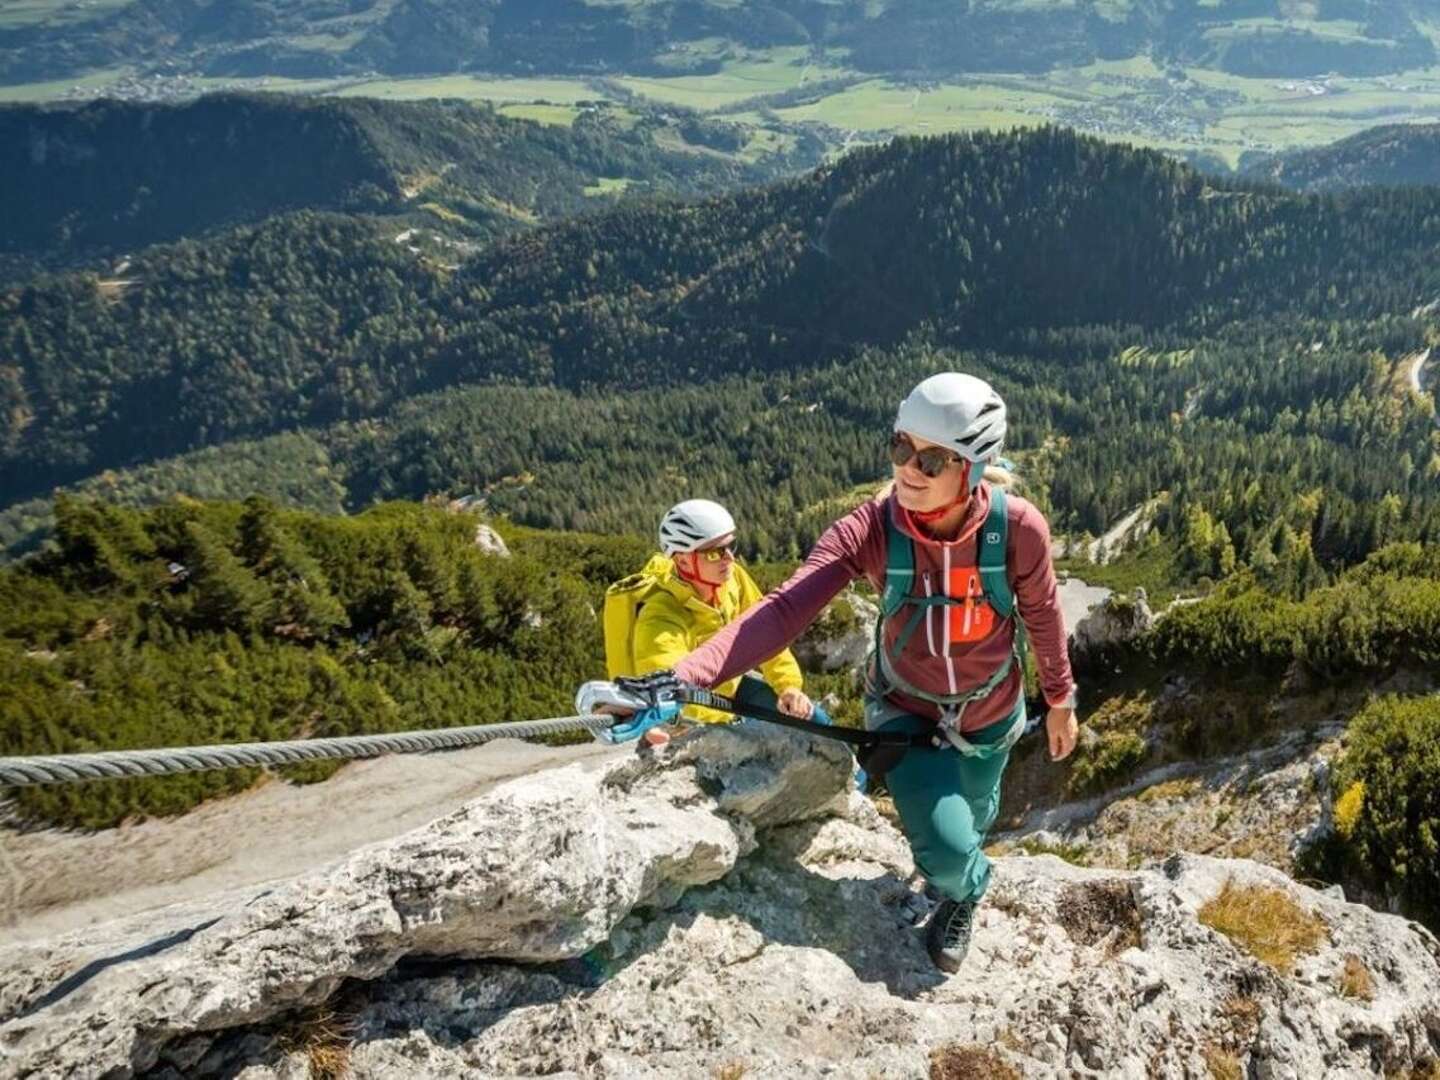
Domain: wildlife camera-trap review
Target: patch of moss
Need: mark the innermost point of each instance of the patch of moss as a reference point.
(1170, 789)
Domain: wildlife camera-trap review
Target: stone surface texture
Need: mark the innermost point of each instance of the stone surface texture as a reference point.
(1114, 623)
(724, 904)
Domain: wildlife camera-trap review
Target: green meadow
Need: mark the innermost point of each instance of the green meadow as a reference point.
(1132, 100)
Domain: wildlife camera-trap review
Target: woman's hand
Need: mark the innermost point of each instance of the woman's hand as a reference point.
(1062, 729)
(793, 702)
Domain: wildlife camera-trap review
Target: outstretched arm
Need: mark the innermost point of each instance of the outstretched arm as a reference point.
(839, 556)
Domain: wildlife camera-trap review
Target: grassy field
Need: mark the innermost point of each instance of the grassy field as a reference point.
(745, 75)
(878, 105)
(553, 91)
(1325, 30)
(1129, 100)
(53, 91)
(556, 115)
(607, 185)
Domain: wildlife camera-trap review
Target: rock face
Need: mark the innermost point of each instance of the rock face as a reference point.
(843, 637)
(1267, 804)
(1114, 623)
(725, 904)
(491, 542)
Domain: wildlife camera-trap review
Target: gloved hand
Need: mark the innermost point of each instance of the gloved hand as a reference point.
(795, 703)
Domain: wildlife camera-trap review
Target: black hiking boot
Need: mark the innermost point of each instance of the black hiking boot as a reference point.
(948, 935)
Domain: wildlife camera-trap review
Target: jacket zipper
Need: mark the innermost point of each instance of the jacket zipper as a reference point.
(929, 619)
(949, 660)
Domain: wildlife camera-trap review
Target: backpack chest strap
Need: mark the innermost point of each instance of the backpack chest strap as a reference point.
(990, 544)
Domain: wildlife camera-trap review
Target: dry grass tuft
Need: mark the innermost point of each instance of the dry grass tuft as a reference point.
(732, 1070)
(1265, 922)
(1223, 1065)
(970, 1061)
(1355, 980)
(325, 1038)
(1243, 1014)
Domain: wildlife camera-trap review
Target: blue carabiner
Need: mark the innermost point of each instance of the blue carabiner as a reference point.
(639, 723)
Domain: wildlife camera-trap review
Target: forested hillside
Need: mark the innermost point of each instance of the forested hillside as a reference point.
(111, 177)
(200, 623)
(1222, 336)
(1397, 154)
(314, 37)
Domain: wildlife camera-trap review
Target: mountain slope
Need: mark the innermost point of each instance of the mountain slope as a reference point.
(317, 37)
(972, 240)
(1394, 154)
(112, 176)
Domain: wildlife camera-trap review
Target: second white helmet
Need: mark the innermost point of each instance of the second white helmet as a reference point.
(957, 411)
(690, 525)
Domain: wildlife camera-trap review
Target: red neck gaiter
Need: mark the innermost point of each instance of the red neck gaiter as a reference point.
(706, 591)
(929, 517)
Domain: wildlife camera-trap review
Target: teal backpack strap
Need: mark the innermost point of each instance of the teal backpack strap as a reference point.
(993, 576)
(899, 566)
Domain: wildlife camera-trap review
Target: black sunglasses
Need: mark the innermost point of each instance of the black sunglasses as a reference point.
(932, 461)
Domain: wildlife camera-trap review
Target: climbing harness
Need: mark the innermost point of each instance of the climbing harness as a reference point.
(987, 596)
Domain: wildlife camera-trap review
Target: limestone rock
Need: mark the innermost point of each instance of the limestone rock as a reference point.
(842, 637)
(725, 903)
(491, 542)
(540, 869)
(803, 965)
(1114, 623)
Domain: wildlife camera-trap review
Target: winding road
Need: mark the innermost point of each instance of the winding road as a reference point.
(1416, 370)
(1117, 532)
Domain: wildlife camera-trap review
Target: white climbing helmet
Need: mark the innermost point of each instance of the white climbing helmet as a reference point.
(957, 411)
(692, 524)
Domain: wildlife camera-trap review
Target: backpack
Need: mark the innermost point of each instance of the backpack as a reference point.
(623, 601)
(993, 584)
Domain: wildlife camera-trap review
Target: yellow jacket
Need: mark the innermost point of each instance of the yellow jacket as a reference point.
(674, 622)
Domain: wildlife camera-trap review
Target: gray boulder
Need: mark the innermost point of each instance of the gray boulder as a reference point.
(1116, 622)
(491, 542)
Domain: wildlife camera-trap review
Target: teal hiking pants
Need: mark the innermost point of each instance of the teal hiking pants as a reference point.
(947, 801)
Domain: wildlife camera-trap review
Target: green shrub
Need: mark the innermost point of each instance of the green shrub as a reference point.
(1119, 745)
(1393, 751)
(199, 623)
(1383, 614)
(1112, 759)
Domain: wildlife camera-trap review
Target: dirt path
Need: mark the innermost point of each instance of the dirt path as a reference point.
(1417, 369)
(1116, 533)
(53, 881)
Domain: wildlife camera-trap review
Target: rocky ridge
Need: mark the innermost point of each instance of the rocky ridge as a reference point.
(724, 904)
